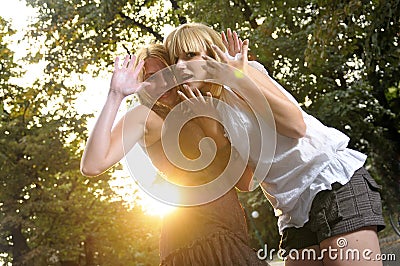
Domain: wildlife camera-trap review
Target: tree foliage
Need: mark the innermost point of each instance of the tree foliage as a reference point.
(49, 213)
(340, 59)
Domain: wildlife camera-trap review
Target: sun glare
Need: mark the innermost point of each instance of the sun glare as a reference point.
(89, 101)
(126, 187)
(154, 207)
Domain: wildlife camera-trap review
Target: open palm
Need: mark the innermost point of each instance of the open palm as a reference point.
(124, 79)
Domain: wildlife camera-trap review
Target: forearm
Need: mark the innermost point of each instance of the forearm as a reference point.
(95, 157)
(288, 117)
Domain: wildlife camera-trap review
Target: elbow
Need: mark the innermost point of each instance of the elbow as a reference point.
(294, 130)
(299, 130)
(291, 124)
(298, 127)
(89, 171)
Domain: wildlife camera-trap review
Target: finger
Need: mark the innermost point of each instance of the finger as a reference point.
(116, 63)
(229, 41)
(210, 97)
(210, 62)
(213, 67)
(231, 48)
(199, 95)
(224, 40)
(210, 70)
(144, 85)
(245, 48)
(138, 68)
(183, 96)
(189, 92)
(236, 42)
(126, 61)
(188, 101)
(229, 35)
(132, 62)
(221, 54)
(240, 42)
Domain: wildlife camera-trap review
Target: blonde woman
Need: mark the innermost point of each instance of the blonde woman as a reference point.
(321, 193)
(214, 233)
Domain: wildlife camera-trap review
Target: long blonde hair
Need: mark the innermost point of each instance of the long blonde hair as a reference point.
(157, 51)
(194, 37)
(154, 50)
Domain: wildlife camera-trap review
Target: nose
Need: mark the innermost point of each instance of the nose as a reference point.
(181, 64)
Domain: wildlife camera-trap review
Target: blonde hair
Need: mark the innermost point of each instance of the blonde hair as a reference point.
(194, 37)
(154, 50)
(157, 51)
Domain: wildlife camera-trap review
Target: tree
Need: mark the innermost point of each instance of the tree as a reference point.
(79, 34)
(49, 213)
(340, 59)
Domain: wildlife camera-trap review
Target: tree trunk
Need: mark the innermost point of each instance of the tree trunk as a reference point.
(89, 251)
(20, 248)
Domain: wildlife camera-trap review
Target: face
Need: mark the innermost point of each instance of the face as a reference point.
(151, 66)
(188, 70)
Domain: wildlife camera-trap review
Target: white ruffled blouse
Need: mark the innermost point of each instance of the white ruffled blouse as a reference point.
(300, 168)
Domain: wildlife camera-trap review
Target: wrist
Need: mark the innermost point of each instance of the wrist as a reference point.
(115, 93)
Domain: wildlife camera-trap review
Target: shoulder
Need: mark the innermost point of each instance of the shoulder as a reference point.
(148, 120)
(143, 114)
(136, 115)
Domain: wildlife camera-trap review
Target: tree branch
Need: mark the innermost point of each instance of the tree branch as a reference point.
(142, 26)
(175, 6)
(247, 13)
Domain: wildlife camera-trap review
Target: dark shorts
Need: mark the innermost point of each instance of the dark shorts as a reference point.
(343, 209)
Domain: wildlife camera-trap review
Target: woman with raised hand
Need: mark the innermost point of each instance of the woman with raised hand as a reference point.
(323, 196)
(213, 233)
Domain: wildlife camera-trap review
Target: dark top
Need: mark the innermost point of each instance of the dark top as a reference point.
(209, 234)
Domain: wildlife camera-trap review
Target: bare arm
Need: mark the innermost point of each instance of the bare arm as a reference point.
(104, 146)
(288, 117)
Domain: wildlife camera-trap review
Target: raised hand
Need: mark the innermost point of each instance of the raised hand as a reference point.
(232, 42)
(206, 110)
(197, 103)
(124, 79)
(240, 61)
